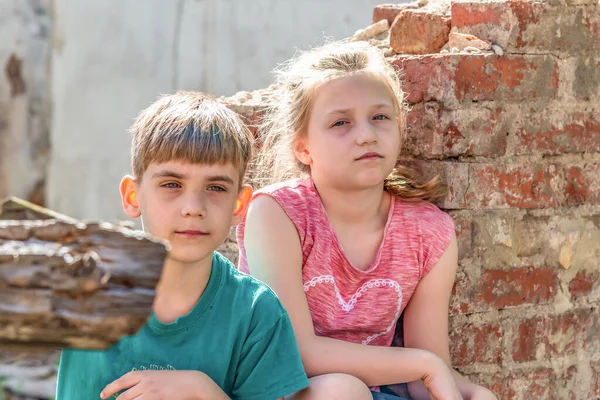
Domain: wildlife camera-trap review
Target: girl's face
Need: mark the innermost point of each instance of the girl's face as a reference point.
(353, 138)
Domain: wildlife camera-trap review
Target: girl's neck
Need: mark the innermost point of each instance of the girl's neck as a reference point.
(180, 287)
(354, 207)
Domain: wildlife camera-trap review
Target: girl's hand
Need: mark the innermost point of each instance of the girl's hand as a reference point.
(441, 384)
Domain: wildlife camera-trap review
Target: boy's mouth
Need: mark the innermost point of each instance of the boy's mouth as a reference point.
(191, 233)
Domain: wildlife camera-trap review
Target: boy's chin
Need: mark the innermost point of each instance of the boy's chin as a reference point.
(188, 257)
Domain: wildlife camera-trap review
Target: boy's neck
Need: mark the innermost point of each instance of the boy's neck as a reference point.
(180, 287)
(358, 207)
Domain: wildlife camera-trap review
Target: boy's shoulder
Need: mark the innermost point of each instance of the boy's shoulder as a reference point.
(257, 297)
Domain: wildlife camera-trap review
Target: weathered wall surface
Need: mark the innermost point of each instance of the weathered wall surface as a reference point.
(24, 101)
(515, 131)
(102, 77)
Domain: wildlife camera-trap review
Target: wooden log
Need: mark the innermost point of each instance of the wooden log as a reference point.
(68, 284)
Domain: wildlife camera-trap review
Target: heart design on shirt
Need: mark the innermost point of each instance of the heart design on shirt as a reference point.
(349, 305)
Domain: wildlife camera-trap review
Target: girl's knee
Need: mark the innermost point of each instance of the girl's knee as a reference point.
(334, 387)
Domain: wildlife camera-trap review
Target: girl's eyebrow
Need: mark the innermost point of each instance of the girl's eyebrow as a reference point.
(345, 110)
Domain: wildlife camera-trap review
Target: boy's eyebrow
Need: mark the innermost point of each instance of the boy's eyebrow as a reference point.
(165, 173)
(220, 178)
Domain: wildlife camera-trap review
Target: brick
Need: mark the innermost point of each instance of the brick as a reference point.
(583, 184)
(527, 385)
(490, 77)
(476, 344)
(520, 186)
(390, 11)
(565, 385)
(516, 287)
(555, 131)
(419, 32)
(586, 78)
(452, 78)
(591, 344)
(584, 283)
(564, 382)
(595, 383)
(464, 236)
(427, 78)
(534, 27)
(463, 40)
(463, 292)
(531, 236)
(545, 337)
(498, 289)
(433, 132)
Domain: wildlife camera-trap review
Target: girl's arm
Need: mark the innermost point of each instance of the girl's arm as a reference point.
(274, 256)
(426, 322)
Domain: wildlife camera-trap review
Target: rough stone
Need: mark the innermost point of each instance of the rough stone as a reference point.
(419, 32)
(463, 41)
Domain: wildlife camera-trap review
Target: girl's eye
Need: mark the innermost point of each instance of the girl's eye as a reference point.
(217, 189)
(171, 185)
(381, 117)
(339, 123)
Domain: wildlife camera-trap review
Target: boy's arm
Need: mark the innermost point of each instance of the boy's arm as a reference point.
(163, 384)
(275, 257)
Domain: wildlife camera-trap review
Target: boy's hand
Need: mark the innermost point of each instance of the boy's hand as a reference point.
(161, 385)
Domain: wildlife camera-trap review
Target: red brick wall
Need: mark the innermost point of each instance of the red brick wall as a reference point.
(517, 138)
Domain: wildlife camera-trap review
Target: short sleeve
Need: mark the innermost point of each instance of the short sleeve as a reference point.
(437, 231)
(270, 366)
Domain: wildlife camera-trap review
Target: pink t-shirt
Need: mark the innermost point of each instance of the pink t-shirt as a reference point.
(345, 302)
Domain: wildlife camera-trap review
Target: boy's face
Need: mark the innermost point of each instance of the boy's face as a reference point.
(192, 206)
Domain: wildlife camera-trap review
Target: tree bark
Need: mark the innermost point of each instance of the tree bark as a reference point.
(68, 284)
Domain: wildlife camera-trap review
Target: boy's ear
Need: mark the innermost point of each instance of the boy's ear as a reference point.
(301, 152)
(242, 204)
(128, 190)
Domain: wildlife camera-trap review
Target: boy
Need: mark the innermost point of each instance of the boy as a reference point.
(215, 333)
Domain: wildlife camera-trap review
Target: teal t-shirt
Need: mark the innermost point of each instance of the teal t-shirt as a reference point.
(238, 334)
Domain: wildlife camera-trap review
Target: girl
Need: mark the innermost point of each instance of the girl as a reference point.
(352, 242)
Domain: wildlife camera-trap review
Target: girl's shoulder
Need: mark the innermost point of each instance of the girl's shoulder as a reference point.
(291, 193)
(424, 219)
(297, 186)
(420, 212)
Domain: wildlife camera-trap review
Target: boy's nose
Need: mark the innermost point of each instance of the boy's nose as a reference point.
(193, 207)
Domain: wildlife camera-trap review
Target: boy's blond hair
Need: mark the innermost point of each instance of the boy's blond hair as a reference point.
(191, 127)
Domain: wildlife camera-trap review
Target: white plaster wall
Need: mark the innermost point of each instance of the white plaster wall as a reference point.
(111, 58)
(24, 105)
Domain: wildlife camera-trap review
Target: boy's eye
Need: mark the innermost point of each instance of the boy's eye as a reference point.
(171, 185)
(217, 189)
(381, 117)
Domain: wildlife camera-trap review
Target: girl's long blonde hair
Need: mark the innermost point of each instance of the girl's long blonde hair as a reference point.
(287, 114)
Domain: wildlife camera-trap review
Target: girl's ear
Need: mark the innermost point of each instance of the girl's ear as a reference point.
(301, 152)
(129, 200)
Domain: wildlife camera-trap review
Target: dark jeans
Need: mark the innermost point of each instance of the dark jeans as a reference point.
(392, 392)
(385, 396)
